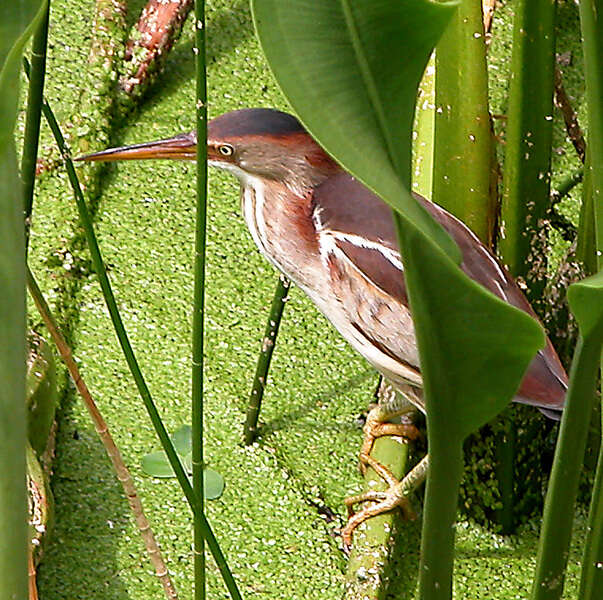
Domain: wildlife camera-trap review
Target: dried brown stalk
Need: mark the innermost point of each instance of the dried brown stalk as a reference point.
(562, 102)
(158, 28)
(488, 7)
(31, 576)
(123, 475)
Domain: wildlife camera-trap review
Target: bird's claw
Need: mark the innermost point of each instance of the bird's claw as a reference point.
(396, 496)
(375, 428)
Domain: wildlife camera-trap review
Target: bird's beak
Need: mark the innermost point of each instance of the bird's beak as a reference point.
(180, 147)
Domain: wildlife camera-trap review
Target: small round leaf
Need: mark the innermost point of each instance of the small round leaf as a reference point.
(182, 439)
(213, 484)
(188, 462)
(156, 464)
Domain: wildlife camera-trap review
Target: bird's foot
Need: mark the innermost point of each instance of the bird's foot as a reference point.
(376, 427)
(396, 496)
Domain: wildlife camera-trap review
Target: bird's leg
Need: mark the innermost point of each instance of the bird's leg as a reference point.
(395, 496)
(392, 404)
(401, 401)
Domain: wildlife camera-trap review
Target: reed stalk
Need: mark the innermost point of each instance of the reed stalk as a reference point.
(374, 540)
(263, 365)
(592, 35)
(18, 21)
(13, 430)
(526, 181)
(199, 302)
(591, 584)
(586, 247)
(558, 516)
(33, 116)
(463, 145)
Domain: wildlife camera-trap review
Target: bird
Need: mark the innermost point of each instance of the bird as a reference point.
(336, 240)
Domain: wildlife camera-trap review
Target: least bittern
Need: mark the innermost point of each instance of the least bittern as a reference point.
(335, 239)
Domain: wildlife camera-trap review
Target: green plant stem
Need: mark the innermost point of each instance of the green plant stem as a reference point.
(145, 394)
(591, 12)
(439, 514)
(33, 116)
(13, 430)
(592, 35)
(591, 579)
(586, 250)
(121, 471)
(263, 365)
(463, 146)
(526, 183)
(199, 302)
(464, 156)
(558, 516)
(373, 541)
(19, 19)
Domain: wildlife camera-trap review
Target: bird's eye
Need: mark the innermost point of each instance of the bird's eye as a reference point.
(226, 150)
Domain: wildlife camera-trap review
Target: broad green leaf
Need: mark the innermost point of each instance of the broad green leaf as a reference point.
(344, 66)
(16, 23)
(586, 301)
(474, 347)
(182, 439)
(422, 155)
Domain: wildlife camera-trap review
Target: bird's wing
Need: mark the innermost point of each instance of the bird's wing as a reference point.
(356, 229)
(358, 249)
(545, 382)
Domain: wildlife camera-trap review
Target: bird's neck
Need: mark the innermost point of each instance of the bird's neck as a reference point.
(278, 207)
(281, 225)
(300, 164)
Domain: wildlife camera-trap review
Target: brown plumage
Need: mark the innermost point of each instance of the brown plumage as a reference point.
(334, 238)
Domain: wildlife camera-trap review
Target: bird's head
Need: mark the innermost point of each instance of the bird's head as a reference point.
(250, 143)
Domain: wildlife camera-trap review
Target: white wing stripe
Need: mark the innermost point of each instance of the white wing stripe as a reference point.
(328, 237)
